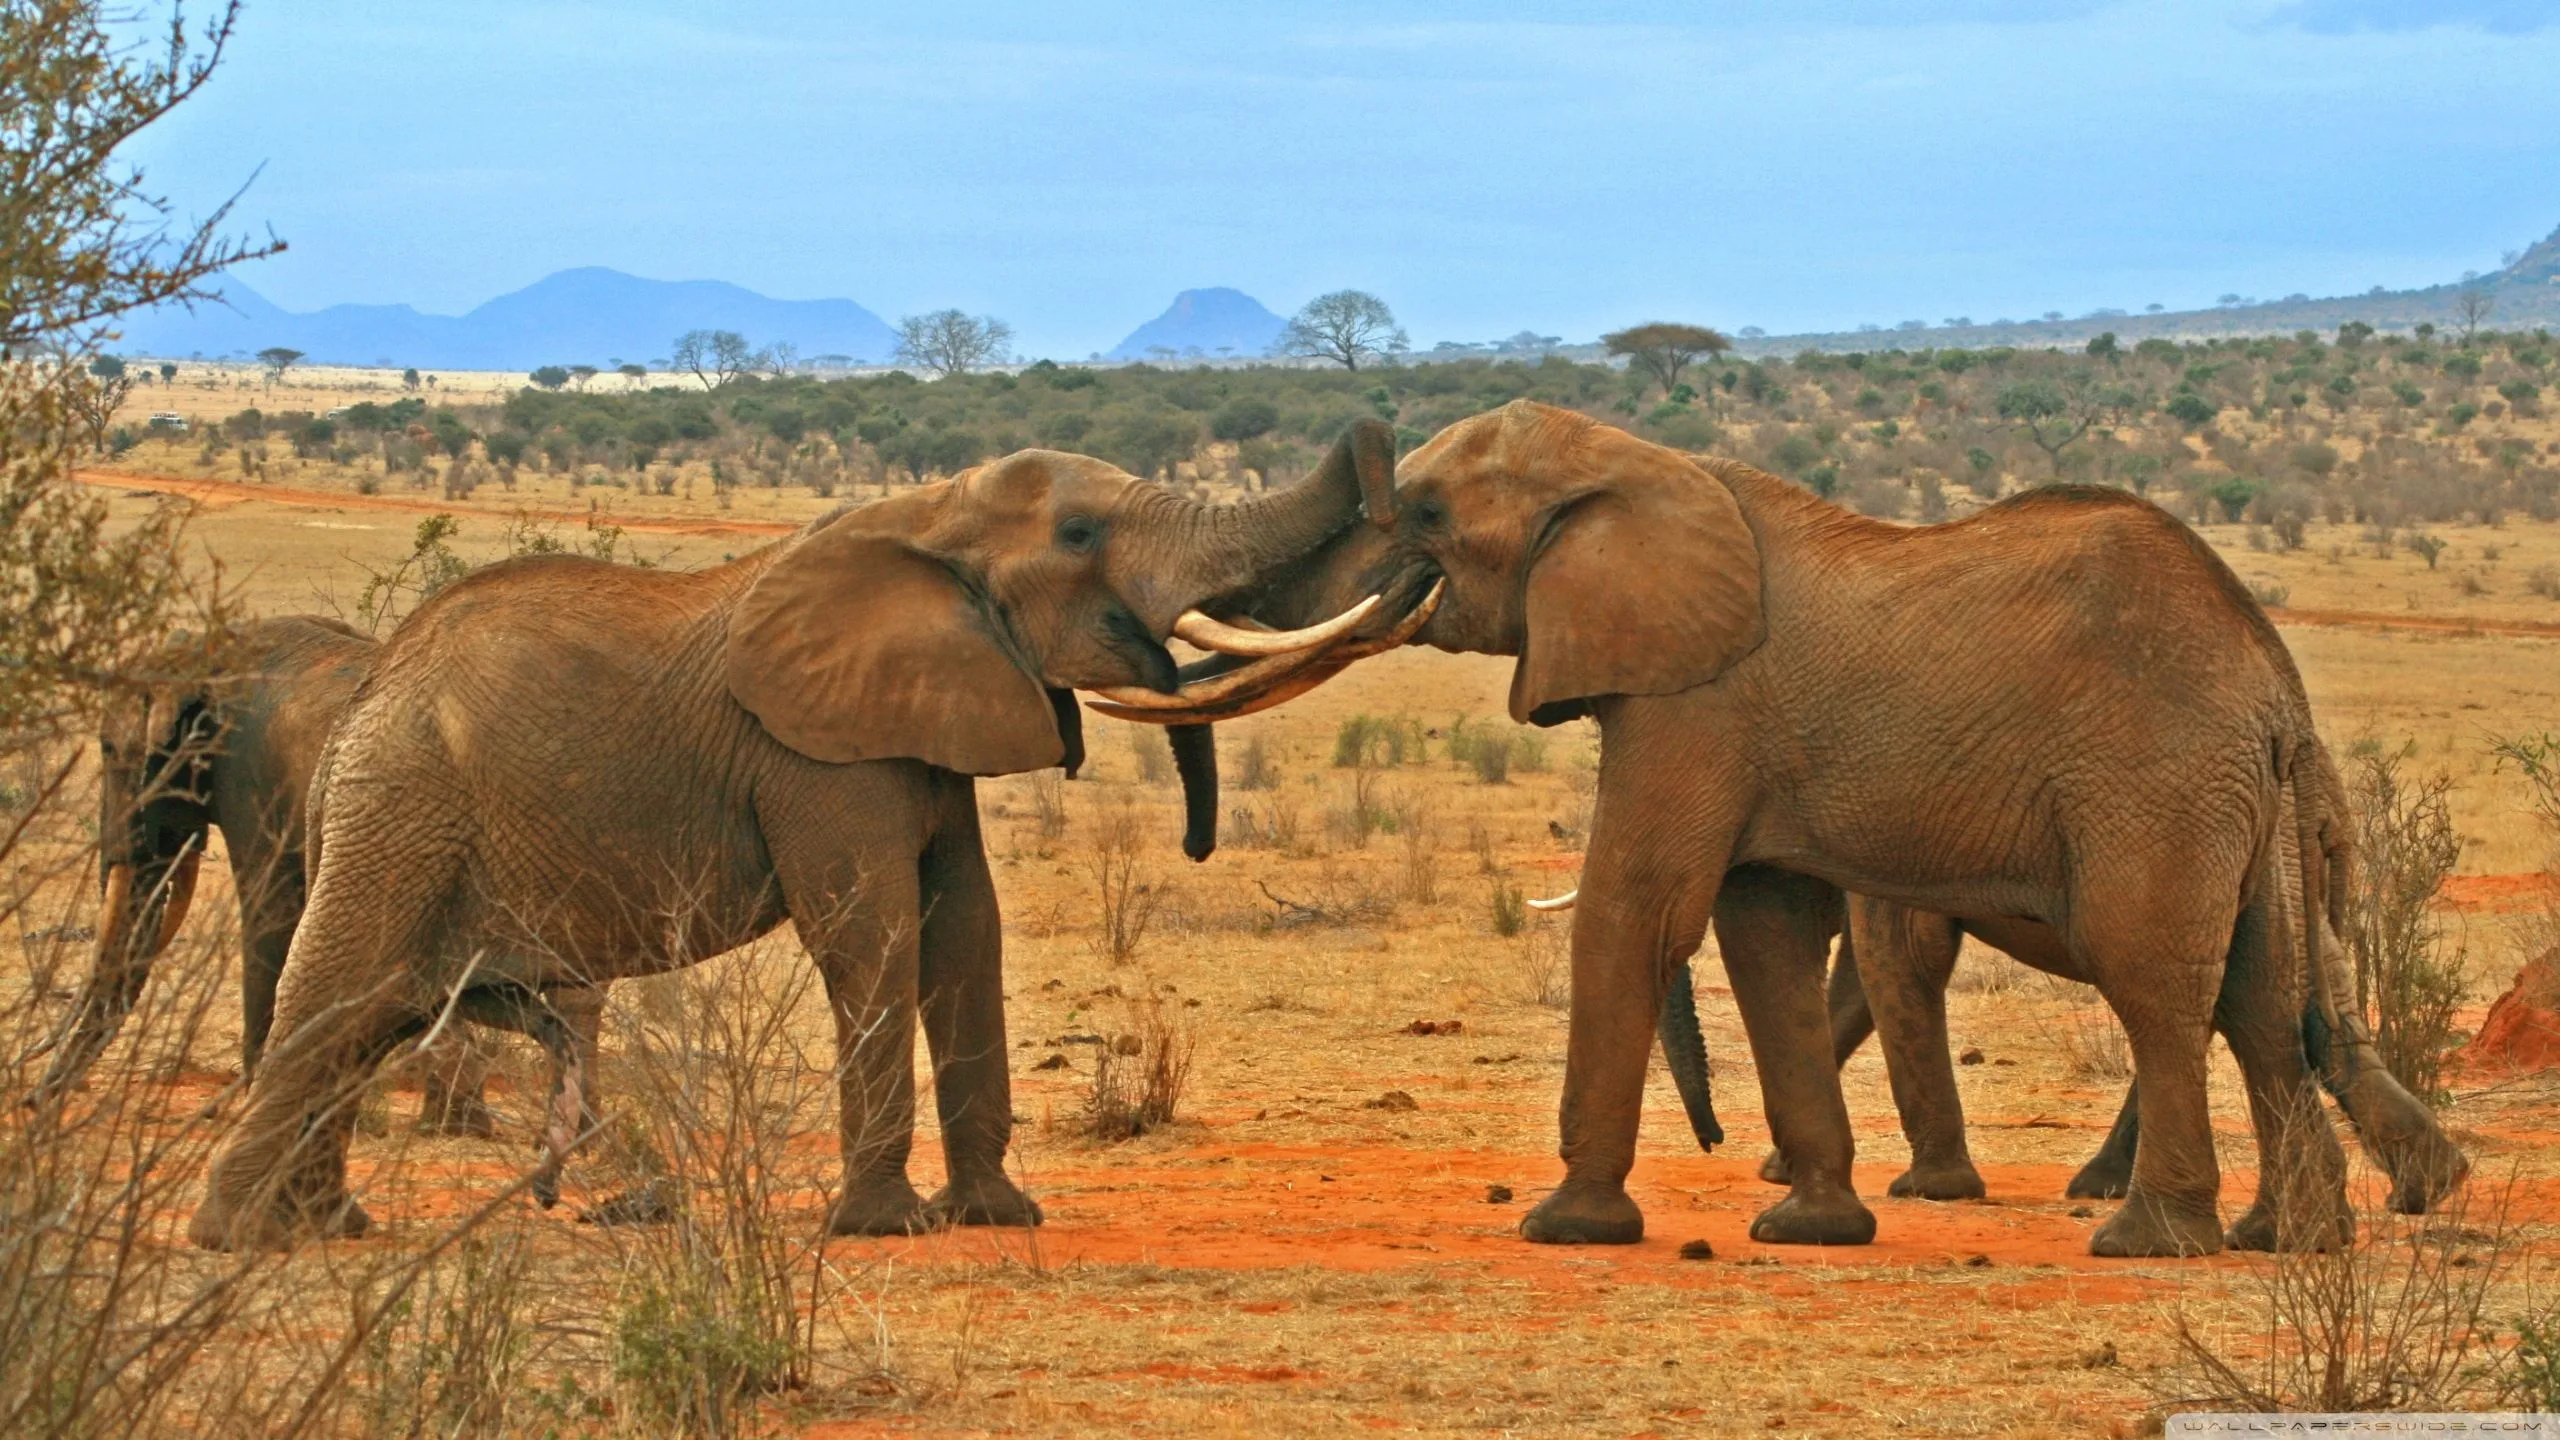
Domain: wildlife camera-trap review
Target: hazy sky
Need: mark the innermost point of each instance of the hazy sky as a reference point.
(1486, 168)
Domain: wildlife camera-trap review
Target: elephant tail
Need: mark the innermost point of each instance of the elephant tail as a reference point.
(1684, 1049)
(2333, 1036)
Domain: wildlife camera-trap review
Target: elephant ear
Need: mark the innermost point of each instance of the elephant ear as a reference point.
(1645, 581)
(859, 646)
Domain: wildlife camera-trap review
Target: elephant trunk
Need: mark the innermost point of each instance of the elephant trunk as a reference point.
(1195, 759)
(1239, 544)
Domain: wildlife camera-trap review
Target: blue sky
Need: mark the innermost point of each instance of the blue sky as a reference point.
(1486, 168)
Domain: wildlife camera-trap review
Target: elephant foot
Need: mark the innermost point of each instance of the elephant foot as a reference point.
(879, 1207)
(987, 1200)
(1801, 1219)
(464, 1117)
(1584, 1215)
(2257, 1230)
(2147, 1228)
(2420, 1183)
(654, 1203)
(1776, 1169)
(219, 1224)
(2101, 1179)
(1959, 1181)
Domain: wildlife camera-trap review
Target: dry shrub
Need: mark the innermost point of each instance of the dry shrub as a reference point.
(1981, 970)
(1139, 1076)
(1510, 908)
(1544, 964)
(2395, 1320)
(718, 1304)
(455, 1354)
(1125, 880)
(1269, 824)
(1153, 753)
(2408, 977)
(1369, 741)
(1418, 879)
(1048, 796)
(1256, 767)
(2092, 1043)
(1364, 811)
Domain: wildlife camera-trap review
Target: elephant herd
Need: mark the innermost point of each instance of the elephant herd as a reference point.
(2061, 726)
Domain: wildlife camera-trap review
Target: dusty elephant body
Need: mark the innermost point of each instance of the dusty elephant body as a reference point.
(2063, 710)
(792, 735)
(1890, 978)
(233, 752)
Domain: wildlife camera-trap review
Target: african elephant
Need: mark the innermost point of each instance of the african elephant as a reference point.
(2063, 709)
(1899, 987)
(233, 751)
(562, 772)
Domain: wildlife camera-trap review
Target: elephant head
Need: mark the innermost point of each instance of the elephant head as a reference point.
(1609, 566)
(950, 624)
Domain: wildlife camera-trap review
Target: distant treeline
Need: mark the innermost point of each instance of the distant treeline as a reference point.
(2351, 424)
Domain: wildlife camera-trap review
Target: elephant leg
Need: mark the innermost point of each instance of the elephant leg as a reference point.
(2109, 1173)
(1638, 917)
(866, 944)
(350, 992)
(961, 979)
(282, 1171)
(1774, 932)
(272, 898)
(1909, 956)
(2302, 1200)
(1851, 1023)
(2157, 957)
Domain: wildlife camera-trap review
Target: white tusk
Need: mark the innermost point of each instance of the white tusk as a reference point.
(1561, 902)
(1213, 634)
(1258, 684)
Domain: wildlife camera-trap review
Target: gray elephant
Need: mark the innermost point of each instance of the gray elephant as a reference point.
(232, 750)
(2063, 711)
(562, 772)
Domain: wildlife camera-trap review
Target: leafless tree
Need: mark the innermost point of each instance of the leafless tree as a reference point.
(2470, 309)
(1662, 349)
(950, 342)
(714, 357)
(1345, 327)
(70, 95)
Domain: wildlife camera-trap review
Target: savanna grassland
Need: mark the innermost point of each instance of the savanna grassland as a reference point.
(1356, 1027)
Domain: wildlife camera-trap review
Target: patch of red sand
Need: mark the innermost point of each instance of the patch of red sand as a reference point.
(2522, 1031)
(2498, 892)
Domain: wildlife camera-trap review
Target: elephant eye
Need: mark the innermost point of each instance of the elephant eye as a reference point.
(1079, 534)
(1428, 514)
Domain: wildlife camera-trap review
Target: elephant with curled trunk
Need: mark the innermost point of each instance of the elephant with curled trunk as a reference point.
(2061, 712)
(562, 772)
(232, 750)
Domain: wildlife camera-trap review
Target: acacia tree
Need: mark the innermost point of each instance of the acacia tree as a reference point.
(579, 375)
(714, 357)
(278, 359)
(1662, 349)
(2054, 415)
(1345, 327)
(952, 342)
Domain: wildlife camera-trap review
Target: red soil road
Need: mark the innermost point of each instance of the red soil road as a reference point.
(233, 492)
(219, 494)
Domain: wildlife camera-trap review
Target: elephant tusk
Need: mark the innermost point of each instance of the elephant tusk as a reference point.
(1208, 633)
(1561, 902)
(1260, 684)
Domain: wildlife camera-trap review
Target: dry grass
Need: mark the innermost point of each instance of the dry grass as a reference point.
(1282, 1259)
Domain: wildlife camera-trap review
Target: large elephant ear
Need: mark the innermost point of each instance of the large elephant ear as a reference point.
(1645, 581)
(858, 646)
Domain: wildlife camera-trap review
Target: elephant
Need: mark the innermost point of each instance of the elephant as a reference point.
(1797, 703)
(232, 750)
(1909, 957)
(561, 772)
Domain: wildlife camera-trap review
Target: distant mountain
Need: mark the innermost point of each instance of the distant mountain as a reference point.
(2522, 296)
(1211, 324)
(586, 316)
